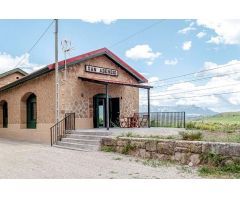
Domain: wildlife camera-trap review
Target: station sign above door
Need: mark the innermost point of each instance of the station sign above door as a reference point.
(101, 70)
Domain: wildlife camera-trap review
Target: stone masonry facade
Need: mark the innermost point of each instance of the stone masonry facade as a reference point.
(184, 152)
(75, 96)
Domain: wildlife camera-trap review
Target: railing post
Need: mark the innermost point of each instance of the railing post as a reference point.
(184, 120)
(148, 97)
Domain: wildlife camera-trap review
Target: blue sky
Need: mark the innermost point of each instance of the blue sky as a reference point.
(158, 52)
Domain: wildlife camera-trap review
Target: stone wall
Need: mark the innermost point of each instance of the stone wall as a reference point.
(185, 152)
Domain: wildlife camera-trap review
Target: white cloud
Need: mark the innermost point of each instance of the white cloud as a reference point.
(8, 62)
(186, 30)
(142, 52)
(171, 62)
(187, 45)
(201, 34)
(105, 21)
(172, 95)
(227, 31)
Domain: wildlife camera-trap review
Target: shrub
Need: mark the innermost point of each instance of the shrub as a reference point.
(107, 149)
(127, 148)
(190, 135)
(218, 166)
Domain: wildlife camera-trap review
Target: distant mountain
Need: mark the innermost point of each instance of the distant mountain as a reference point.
(191, 111)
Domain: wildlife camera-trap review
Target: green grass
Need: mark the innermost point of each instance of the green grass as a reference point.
(224, 122)
(224, 118)
(107, 149)
(127, 148)
(193, 134)
(217, 167)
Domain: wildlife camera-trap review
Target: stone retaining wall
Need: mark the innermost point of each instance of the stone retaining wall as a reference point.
(185, 152)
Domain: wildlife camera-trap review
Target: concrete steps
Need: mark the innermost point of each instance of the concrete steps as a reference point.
(82, 140)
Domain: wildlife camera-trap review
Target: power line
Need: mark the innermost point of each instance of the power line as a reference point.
(35, 44)
(195, 90)
(215, 68)
(134, 34)
(197, 96)
(194, 80)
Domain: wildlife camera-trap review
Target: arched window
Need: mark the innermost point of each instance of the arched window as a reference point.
(31, 111)
(4, 113)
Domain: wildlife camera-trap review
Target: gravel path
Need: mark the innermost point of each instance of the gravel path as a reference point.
(28, 160)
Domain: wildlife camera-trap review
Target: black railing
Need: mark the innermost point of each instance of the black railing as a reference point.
(58, 131)
(167, 119)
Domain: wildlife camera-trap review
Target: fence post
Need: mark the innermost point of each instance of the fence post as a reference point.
(184, 121)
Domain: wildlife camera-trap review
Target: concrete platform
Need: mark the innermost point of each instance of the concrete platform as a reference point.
(139, 131)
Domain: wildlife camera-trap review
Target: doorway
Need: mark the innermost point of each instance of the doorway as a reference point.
(5, 114)
(99, 111)
(31, 111)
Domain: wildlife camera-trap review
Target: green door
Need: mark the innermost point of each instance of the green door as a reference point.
(5, 115)
(31, 111)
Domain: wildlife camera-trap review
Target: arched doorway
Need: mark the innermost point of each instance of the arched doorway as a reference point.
(4, 114)
(99, 111)
(31, 111)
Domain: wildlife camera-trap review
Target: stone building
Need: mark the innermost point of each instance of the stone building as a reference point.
(27, 101)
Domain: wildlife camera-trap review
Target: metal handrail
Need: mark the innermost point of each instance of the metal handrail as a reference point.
(167, 119)
(58, 131)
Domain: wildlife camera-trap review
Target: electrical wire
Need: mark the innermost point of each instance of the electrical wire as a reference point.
(134, 34)
(34, 45)
(194, 80)
(192, 73)
(197, 96)
(194, 90)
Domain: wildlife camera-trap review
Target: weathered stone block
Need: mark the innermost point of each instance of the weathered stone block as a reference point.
(182, 149)
(160, 156)
(165, 147)
(109, 142)
(142, 153)
(195, 148)
(194, 160)
(122, 142)
(151, 145)
(181, 157)
(119, 149)
(138, 144)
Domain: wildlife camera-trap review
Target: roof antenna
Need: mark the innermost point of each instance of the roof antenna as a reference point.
(66, 48)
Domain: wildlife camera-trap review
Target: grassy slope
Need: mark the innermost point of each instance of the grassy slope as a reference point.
(224, 118)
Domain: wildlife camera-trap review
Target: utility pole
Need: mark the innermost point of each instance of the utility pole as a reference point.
(56, 70)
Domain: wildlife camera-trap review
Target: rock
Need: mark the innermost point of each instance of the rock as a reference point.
(195, 148)
(229, 162)
(109, 141)
(122, 143)
(194, 160)
(165, 147)
(138, 144)
(161, 156)
(119, 149)
(181, 157)
(151, 145)
(182, 149)
(142, 153)
(190, 164)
